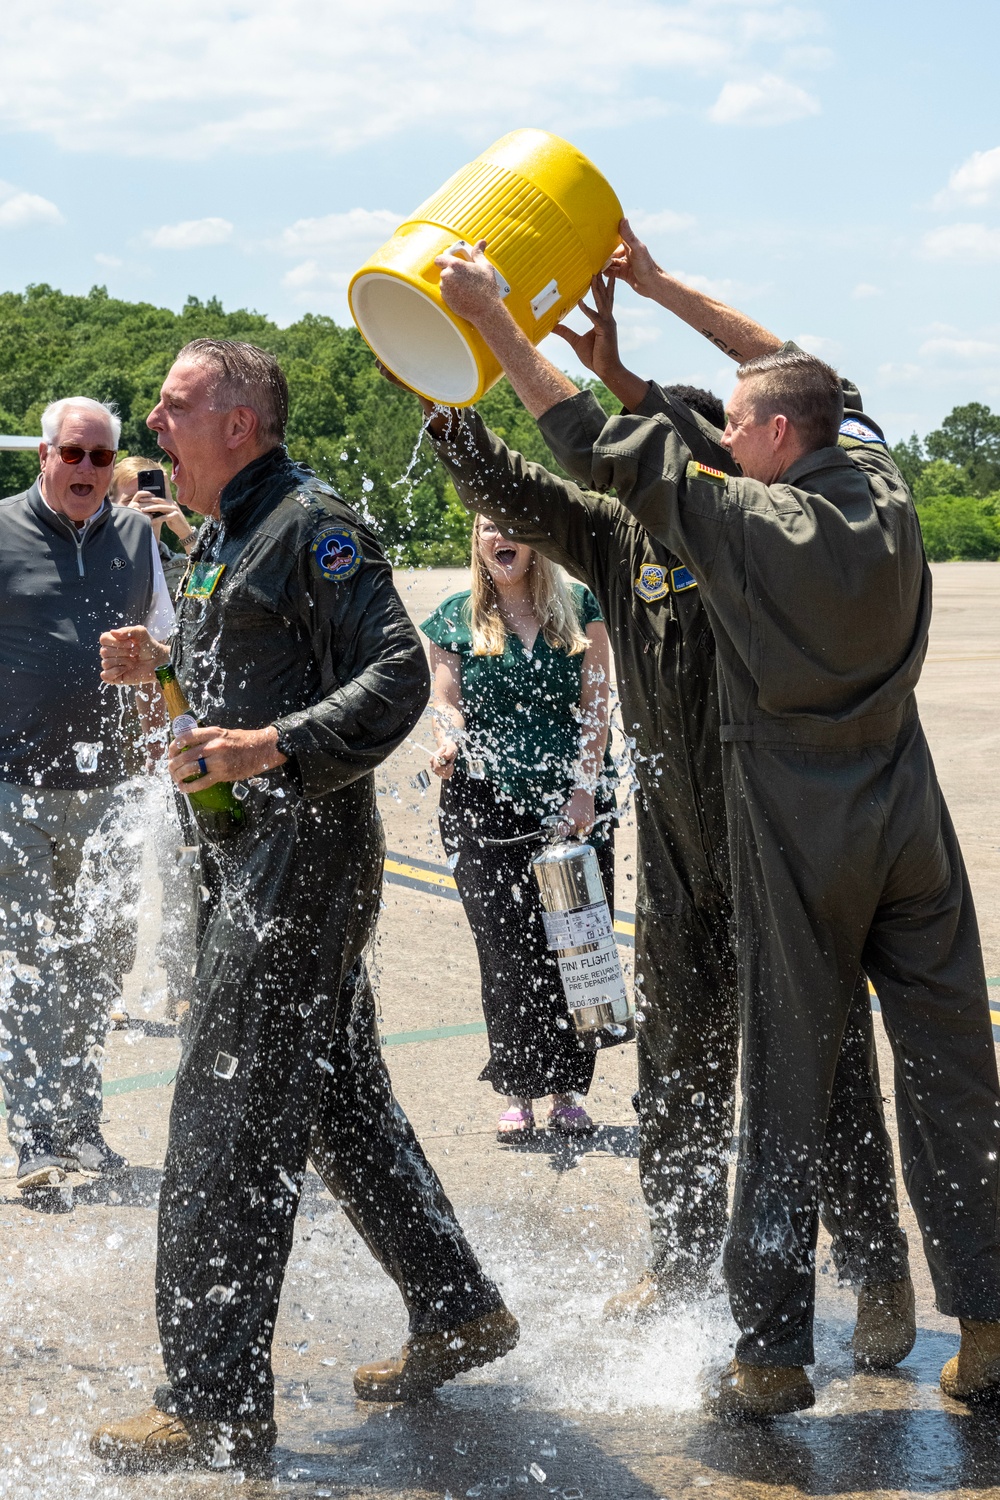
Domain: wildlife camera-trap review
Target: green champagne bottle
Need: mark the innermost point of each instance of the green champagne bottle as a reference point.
(216, 810)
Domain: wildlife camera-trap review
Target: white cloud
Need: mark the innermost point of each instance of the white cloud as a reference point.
(975, 182)
(721, 287)
(865, 289)
(329, 77)
(768, 100)
(823, 348)
(310, 277)
(959, 350)
(110, 262)
(666, 222)
(19, 210)
(970, 242)
(359, 227)
(190, 234)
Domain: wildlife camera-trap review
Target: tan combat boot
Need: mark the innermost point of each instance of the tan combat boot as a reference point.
(975, 1370)
(755, 1392)
(427, 1360)
(654, 1293)
(157, 1439)
(641, 1302)
(886, 1329)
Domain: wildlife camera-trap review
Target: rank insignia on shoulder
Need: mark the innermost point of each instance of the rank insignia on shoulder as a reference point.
(651, 583)
(857, 432)
(336, 551)
(204, 580)
(702, 471)
(681, 579)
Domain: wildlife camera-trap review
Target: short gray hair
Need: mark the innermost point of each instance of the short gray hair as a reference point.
(53, 415)
(802, 388)
(245, 376)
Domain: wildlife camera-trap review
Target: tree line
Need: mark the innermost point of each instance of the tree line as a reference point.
(362, 435)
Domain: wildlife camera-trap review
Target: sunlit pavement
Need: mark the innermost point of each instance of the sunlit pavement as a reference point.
(580, 1408)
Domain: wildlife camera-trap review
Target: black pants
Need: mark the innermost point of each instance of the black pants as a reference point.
(845, 861)
(282, 1061)
(534, 1049)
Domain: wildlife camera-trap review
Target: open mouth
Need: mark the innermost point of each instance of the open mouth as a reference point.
(81, 491)
(175, 462)
(505, 556)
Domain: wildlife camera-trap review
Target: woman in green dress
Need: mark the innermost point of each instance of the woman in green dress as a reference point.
(521, 687)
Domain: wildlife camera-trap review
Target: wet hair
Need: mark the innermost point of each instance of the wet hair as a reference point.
(551, 602)
(126, 469)
(245, 376)
(53, 415)
(796, 385)
(705, 403)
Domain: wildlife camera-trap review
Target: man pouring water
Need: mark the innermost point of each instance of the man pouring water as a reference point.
(71, 566)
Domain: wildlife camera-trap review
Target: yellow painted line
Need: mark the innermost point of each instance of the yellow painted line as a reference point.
(426, 877)
(442, 882)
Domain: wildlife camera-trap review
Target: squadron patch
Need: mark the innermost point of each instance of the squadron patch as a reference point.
(702, 471)
(856, 432)
(336, 551)
(651, 583)
(681, 579)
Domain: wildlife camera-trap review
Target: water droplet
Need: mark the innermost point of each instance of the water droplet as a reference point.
(220, 1294)
(115, 1241)
(220, 1456)
(225, 1066)
(697, 1100)
(37, 1405)
(537, 1472)
(86, 755)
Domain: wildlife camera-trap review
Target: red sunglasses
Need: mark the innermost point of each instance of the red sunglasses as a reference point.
(101, 458)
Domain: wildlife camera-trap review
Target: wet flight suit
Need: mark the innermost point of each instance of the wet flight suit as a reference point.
(842, 850)
(684, 962)
(305, 630)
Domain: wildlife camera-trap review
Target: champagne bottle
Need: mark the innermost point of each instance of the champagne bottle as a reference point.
(217, 811)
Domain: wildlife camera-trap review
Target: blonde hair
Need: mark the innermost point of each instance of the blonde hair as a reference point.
(128, 468)
(551, 602)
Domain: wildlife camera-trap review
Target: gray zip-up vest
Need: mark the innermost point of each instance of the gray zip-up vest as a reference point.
(60, 588)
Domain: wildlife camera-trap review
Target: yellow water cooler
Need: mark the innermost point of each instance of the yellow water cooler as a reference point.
(550, 221)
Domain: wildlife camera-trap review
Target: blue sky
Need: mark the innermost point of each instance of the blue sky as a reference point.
(833, 169)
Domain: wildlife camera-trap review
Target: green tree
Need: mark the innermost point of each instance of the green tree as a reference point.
(969, 438)
(958, 526)
(910, 459)
(939, 477)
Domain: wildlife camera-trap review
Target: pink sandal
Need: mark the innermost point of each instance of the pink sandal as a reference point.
(571, 1119)
(520, 1125)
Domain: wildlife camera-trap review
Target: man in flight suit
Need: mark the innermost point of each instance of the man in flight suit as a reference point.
(844, 857)
(684, 961)
(289, 620)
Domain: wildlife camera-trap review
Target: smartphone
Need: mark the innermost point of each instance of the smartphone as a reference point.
(154, 481)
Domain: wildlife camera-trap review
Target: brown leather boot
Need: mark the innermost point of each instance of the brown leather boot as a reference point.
(886, 1329)
(655, 1292)
(427, 1360)
(157, 1439)
(975, 1370)
(755, 1392)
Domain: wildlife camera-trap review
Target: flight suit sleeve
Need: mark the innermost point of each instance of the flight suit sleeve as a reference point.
(526, 501)
(645, 461)
(373, 672)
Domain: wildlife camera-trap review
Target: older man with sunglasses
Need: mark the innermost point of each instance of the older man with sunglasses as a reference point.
(71, 566)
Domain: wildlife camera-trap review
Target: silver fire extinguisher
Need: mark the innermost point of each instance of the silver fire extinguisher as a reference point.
(580, 932)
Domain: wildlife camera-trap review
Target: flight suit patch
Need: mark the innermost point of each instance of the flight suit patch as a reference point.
(702, 471)
(336, 552)
(681, 579)
(204, 580)
(651, 583)
(852, 428)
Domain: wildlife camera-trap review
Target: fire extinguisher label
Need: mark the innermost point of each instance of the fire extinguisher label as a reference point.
(575, 929)
(594, 977)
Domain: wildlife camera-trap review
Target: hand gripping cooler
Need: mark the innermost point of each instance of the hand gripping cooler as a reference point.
(550, 221)
(580, 931)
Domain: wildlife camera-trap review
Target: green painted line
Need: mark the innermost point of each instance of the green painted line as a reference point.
(139, 1082)
(433, 1034)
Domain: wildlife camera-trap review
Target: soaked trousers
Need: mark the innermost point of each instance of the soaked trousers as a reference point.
(847, 860)
(282, 1062)
(687, 1044)
(68, 891)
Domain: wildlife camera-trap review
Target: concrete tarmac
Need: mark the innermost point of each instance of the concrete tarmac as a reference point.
(580, 1409)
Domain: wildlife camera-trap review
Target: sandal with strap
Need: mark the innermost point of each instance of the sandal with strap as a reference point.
(520, 1126)
(571, 1119)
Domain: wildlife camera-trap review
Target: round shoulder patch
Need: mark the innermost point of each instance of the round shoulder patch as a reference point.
(336, 551)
